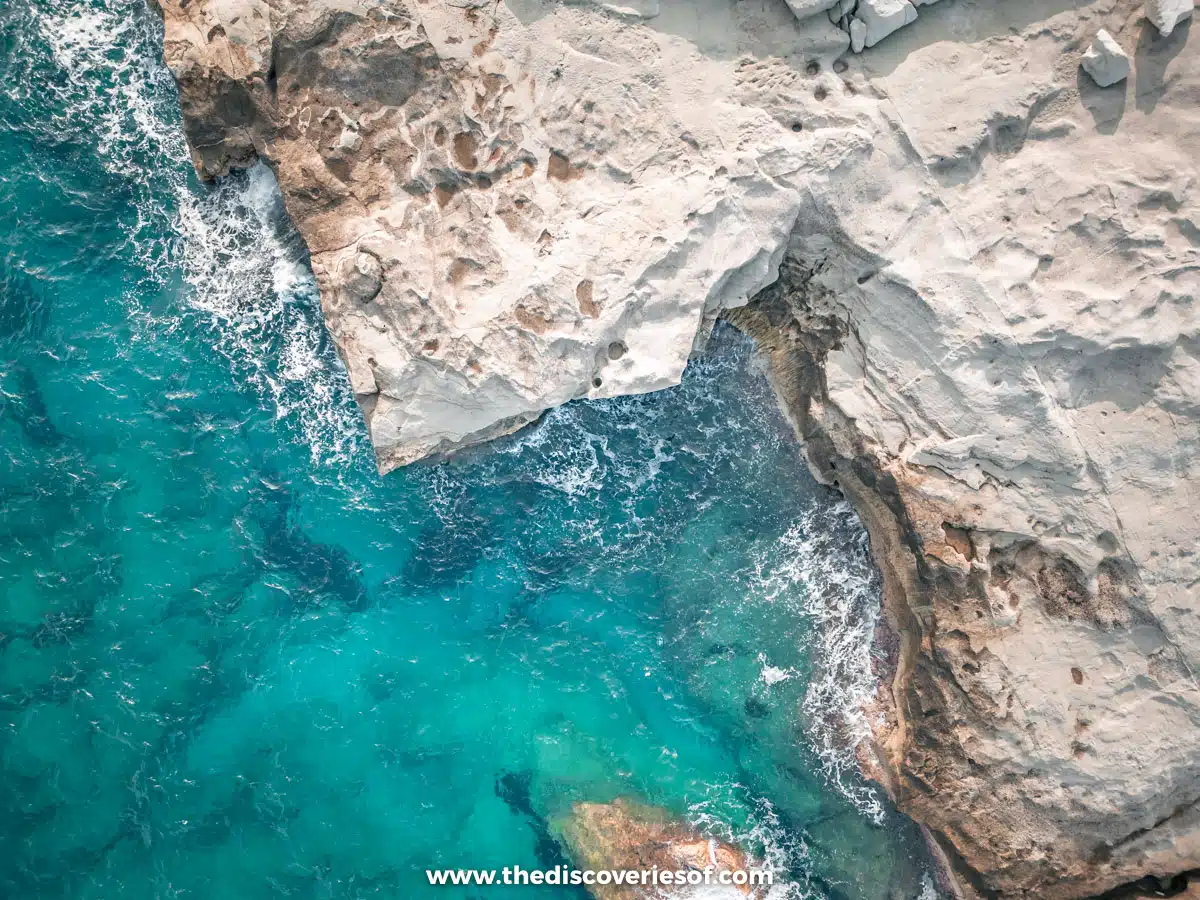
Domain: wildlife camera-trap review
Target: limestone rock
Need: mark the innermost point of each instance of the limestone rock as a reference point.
(806, 8)
(1166, 14)
(882, 17)
(1105, 61)
(858, 34)
(977, 284)
(629, 835)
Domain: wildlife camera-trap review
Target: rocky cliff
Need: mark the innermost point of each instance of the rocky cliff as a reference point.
(974, 268)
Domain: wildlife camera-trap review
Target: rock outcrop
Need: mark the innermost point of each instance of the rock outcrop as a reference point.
(975, 272)
(630, 836)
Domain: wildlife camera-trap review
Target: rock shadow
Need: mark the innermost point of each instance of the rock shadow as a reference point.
(1150, 60)
(1106, 105)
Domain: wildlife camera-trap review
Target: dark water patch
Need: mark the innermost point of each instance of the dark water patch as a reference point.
(515, 789)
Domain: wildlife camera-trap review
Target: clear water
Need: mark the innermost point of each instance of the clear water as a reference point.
(235, 663)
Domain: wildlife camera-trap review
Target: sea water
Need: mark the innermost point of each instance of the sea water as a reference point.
(237, 663)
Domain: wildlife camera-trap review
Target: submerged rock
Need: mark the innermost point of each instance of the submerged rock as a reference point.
(1105, 61)
(978, 294)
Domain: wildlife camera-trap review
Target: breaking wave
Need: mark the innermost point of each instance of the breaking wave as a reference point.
(822, 563)
(245, 270)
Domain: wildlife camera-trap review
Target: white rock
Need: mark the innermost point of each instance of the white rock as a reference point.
(858, 34)
(1105, 61)
(882, 17)
(1166, 14)
(840, 10)
(807, 8)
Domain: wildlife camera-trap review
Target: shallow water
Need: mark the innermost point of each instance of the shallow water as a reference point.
(235, 663)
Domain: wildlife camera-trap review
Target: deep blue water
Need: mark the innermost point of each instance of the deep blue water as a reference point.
(236, 663)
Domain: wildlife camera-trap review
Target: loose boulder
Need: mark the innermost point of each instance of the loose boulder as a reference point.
(882, 17)
(1166, 14)
(1105, 61)
(806, 8)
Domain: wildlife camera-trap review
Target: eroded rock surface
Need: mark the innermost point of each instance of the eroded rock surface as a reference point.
(985, 326)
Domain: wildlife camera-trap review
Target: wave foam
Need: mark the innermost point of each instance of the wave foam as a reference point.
(247, 283)
(824, 561)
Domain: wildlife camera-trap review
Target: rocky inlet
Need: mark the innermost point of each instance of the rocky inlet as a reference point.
(972, 264)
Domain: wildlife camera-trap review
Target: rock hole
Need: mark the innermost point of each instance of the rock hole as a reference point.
(617, 349)
(584, 296)
(813, 67)
(840, 66)
(597, 381)
(820, 93)
(559, 167)
(797, 127)
(464, 150)
(1077, 674)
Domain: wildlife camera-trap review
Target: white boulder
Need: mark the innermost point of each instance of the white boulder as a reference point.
(805, 9)
(1105, 61)
(1166, 14)
(882, 17)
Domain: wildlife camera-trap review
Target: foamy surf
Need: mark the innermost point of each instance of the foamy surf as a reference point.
(242, 268)
(822, 565)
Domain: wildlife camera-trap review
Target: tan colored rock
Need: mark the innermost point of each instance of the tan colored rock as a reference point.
(628, 835)
(985, 328)
(522, 194)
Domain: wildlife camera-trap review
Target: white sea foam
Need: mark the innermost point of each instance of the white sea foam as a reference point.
(244, 271)
(772, 675)
(822, 563)
(928, 890)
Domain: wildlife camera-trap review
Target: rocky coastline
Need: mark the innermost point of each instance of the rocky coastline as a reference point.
(972, 268)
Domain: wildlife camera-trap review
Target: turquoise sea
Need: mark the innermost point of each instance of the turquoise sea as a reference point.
(237, 663)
